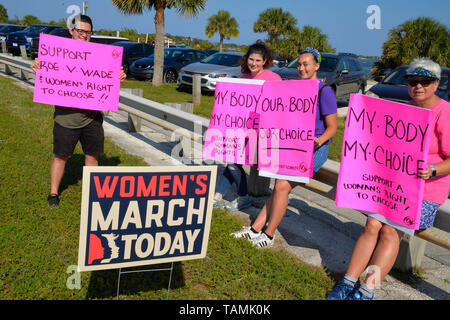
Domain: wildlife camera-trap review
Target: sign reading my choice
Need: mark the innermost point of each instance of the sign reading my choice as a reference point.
(78, 74)
(385, 144)
(276, 116)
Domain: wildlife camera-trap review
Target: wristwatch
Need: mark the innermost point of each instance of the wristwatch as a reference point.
(433, 170)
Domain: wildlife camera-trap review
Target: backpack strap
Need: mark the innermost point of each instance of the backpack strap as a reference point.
(320, 94)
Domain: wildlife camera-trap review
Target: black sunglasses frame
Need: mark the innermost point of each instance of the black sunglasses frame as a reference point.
(423, 82)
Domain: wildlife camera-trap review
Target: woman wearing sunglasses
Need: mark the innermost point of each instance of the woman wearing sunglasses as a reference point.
(378, 245)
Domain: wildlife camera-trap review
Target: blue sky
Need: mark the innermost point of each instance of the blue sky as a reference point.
(343, 21)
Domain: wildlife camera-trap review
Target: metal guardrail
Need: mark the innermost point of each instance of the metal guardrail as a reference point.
(187, 124)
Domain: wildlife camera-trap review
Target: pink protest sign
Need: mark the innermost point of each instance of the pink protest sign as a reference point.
(232, 132)
(286, 130)
(78, 74)
(385, 144)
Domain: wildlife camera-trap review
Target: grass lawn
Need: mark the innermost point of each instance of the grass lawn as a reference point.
(39, 245)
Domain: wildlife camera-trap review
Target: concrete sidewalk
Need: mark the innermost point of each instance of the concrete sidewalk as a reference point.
(313, 229)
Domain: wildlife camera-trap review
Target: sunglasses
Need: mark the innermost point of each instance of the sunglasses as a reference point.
(423, 82)
(84, 32)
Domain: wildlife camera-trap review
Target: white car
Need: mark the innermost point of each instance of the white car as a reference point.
(212, 68)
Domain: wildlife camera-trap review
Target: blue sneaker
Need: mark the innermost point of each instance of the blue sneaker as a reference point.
(357, 295)
(342, 290)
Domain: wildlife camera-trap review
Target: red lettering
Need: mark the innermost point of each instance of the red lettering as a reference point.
(203, 186)
(123, 184)
(179, 186)
(106, 190)
(145, 191)
(164, 185)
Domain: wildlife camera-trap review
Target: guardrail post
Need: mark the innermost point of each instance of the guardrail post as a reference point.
(8, 70)
(183, 106)
(4, 50)
(134, 122)
(410, 254)
(23, 52)
(196, 89)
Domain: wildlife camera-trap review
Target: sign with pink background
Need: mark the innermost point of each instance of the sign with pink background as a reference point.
(78, 74)
(286, 130)
(232, 132)
(276, 119)
(385, 144)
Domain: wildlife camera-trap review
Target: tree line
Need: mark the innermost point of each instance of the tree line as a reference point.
(420, 37)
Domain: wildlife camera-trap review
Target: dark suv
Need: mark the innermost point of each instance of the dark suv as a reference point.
(24, 37)
(133, 51)
(34, 46)
(342, 72)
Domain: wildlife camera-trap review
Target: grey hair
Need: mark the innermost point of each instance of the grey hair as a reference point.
(425, 63)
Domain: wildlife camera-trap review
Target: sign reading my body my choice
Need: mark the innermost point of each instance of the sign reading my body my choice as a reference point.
(385, 144)
(78, 74)
(274, 119)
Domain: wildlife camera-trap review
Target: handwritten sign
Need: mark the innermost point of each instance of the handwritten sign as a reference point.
(286, 132)
(134, 216)
(276, 119)
(385, 144)
(78, 74)
(232, 132)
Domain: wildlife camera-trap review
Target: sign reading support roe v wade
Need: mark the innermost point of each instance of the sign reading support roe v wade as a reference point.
(78, 74)
(134, 216)
(385, 144)
(276, 116)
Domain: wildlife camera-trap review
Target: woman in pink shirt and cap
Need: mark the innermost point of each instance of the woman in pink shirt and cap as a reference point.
(378, 245)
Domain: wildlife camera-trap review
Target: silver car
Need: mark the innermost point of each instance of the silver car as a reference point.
(216, 66)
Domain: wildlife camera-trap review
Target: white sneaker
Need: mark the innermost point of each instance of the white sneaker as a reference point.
(238, 204)
(262, 241)
(245, 232)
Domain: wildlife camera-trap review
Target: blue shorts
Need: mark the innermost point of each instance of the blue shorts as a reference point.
(429, 210)
(320, 157)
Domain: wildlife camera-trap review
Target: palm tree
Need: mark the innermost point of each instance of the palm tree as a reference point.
(188, 8)
(309, 37)
(223, 24)
(422, 37)
(276, 23)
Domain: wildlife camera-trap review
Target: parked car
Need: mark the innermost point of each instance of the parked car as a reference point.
(9, 28)
(97, 38)
(342, 72)
(210, 51)
(218, 65)
(61, 32)
(24, 37)
(34, 45)
(367, 65)
(174, 60)
(279, 61)
(395, 86)
(133, 51)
